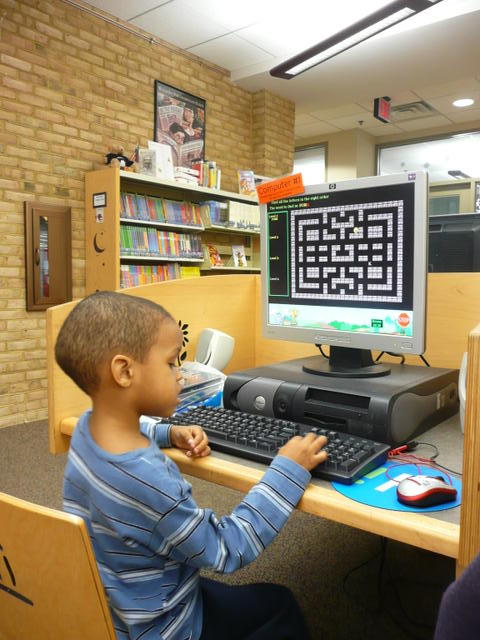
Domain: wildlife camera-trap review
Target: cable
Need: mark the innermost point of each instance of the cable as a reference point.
(400, 355)
(394, 355)
(320, 348)
(393, 583)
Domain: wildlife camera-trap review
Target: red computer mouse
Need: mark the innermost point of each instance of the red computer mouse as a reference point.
(425, 491)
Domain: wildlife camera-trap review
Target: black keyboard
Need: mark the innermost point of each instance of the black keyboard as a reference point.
(258, 438)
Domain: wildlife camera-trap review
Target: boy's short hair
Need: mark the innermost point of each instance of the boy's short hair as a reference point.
(102, 324)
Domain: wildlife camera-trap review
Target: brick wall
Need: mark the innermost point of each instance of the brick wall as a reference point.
(71, 86)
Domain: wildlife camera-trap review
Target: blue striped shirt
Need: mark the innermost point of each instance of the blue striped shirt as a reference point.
(150, 538)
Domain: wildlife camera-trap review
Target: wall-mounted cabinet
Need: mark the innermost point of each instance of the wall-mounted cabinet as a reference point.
(140, 229)
(48, 255)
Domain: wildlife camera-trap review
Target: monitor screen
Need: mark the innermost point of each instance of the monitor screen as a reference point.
(345, 264)
(454, 243)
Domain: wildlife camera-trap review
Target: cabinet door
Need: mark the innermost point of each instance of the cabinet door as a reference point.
(48, 251)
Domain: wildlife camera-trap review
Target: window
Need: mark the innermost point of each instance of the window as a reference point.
(452, 164)
(310, 162)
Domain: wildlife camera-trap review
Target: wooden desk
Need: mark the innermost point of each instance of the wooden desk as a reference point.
(438, 531)
(232, 304)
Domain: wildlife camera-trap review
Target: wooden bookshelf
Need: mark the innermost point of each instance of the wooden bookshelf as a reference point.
(104, 221)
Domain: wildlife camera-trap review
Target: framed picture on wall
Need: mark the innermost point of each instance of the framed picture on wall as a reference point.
(180, 123)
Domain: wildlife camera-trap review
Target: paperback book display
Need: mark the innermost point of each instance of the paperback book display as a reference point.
(136, 206)
(138, 241)
(133, 275)
(238, 255)
(231, 215)
(246, 183)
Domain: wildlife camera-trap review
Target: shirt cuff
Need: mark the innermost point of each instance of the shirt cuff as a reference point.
(294, 469)
(288, 478)
(157, 431)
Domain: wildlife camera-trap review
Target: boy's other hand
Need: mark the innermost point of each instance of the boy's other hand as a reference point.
(305, 450)
(192, 439)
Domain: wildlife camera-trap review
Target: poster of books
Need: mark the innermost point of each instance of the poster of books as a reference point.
(180, 123)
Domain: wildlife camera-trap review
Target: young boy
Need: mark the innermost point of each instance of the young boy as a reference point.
(149, 536)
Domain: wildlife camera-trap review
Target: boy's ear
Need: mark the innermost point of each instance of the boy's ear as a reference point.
(121, 368)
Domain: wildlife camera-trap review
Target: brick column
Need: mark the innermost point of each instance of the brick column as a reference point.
(273, 134)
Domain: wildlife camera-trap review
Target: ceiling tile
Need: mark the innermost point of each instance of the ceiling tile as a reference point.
(462, 115)
(231, 52)
(448, 88)
(423, 123)
(342, 110)
(310, 130)
(352, 122)
(444, 105)
(180, 25)
(381, 129)
(125, 9)
(305, 118)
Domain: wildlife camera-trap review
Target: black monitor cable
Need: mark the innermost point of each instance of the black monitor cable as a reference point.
(400, 355)
(320, 348)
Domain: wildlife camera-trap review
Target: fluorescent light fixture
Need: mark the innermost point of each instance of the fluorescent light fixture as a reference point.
(463, 102)
(459, 175)
(382, 19)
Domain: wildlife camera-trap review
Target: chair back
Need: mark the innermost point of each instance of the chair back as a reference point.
(50, 587)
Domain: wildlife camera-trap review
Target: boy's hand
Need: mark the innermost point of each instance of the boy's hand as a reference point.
(305, 450)
(192, 438)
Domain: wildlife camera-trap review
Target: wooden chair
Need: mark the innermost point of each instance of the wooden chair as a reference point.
(49, 583)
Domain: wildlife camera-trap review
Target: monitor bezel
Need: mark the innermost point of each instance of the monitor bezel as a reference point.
(414, 344)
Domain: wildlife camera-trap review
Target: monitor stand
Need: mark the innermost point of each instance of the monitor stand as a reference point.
(346, 362)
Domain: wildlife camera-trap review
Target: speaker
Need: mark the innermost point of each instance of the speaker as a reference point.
(214, 348)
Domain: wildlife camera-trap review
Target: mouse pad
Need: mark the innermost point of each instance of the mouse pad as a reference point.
(378, 490)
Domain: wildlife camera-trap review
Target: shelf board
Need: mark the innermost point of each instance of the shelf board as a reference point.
(184, 186)
(219, 227)
(170, 225)
(256, 269)
(160, 259)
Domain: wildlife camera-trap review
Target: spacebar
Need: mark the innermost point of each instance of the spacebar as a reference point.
(248, 453)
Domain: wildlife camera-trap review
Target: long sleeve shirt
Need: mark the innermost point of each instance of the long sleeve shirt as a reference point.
(150, 538)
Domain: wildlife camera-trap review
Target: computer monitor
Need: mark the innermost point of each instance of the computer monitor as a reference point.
(454, 242)
(345, 265)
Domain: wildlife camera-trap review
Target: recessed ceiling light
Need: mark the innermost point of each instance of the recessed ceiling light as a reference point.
(464, 102)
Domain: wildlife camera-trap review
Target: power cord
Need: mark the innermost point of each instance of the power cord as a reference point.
(400, 355)
(384, 581)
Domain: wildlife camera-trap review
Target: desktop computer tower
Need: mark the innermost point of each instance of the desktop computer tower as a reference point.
(391, 409)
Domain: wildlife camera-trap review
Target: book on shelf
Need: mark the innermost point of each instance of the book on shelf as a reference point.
(185, 174)
(242, 215)
(147, 162)
(246, 182)
(138, 241)
(133, 275)
(189, 271)
(153, 209)
(187, 170)
(163, 159)
(214, 212)
(214, 256)
(238, 255)
(209, 174)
